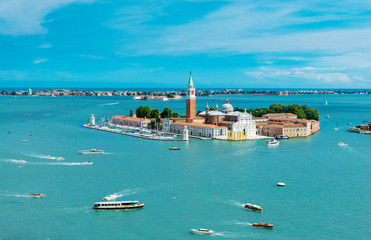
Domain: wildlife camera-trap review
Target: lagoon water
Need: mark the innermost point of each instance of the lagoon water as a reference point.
(205, 184)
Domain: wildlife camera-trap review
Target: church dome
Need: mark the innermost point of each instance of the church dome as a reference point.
(227, 107)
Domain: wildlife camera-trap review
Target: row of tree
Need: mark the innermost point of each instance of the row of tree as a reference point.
(301, 111)
(146, 111)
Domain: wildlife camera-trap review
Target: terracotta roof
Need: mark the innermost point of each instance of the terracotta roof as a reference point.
(194, 124)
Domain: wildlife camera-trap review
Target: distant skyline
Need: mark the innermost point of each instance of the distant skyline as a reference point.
(154, 44)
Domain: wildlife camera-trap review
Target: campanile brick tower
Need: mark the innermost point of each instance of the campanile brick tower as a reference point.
(191, 100)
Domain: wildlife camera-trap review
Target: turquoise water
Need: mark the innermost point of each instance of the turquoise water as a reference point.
(327, 193)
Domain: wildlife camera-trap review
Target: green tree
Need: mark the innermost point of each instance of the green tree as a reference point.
(312, 113)
(155, 113)
(300, 113)
(142, 112)
(131, 113)
(167, 113)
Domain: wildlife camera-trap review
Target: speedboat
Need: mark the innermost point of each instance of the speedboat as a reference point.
(20, 161)
(263, 224)
(118, 205)
(91, 151)
(36, 195)
(110, 197)
(349, 123)
(253, 207)
(281, 184)
(202, 231)
(59, 158)
(273, 142)
(174, 148)
(327, 116)
(87, 163)
(341, 144)
(24, 140)
(335, 129)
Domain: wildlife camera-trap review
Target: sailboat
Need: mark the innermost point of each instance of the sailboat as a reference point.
(174, 148)
(326, 102)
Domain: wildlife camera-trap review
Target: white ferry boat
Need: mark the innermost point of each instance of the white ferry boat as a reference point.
(272, 143)
(91, 151)
(202, 231)
(118, 205)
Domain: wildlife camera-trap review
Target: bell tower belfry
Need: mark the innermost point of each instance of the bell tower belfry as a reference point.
(191, 100)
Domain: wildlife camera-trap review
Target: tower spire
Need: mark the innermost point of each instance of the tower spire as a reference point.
(190, 84)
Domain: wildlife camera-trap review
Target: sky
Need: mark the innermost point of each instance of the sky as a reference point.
(155, 43)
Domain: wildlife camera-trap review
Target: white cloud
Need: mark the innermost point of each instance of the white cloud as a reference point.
(91, 56)
(45, 45)
(24, 17)
(39, 60)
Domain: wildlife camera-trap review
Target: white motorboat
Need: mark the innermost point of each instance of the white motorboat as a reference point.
(110, 197)
(59, 158)
(118, 205)
(342, 144)
(91, 151)
(327, 116)
(86, 163)
(281, 184)
(272, 143)
(24, 140)
(326, 102)
(253, 207)
(202, 231)
(335, 129)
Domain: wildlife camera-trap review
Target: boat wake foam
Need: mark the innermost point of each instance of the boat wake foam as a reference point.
(243, 223)
(16, 195)
(127, 192)
(237, 203)
(43, 156)
(108, 104)
(229, 235)
(21, 161)
(59, 163)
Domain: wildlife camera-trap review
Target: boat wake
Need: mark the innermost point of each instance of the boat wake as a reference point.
(16, 161)
(108, 104)
(237, 203)
(16, 195)
(229, 235)
(43, 156)
(343, 145)
(127, 192)
(243, 223)
(59, 163)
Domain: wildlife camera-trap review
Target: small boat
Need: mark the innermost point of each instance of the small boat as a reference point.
(349, 123)
(202, 231)
(342, 144)
(273, 142)
(174, 148)
(282, 137)
(326, 102)
(281, 184)
(91, 151)
(335, 129)
(327, 116)
(36, 195)
(118, 205)
(59, 158)
(110, 197)
(263, 224)
(253, 207)
(19, 161)
(86, 163)
(24, 140)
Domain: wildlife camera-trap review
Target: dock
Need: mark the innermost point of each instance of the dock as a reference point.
(128, 134)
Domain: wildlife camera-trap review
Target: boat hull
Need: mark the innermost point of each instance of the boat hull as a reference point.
(263, 226)
(120, 208)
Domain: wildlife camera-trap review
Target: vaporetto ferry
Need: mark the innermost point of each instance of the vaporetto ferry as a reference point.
(118, 205)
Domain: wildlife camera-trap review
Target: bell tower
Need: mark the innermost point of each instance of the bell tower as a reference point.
(191, 99)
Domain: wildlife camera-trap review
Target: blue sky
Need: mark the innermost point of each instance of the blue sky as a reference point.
(231, 43)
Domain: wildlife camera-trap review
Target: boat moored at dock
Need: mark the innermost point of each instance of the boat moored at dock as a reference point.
(91, 151)
(118, 205)
(253, 207)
